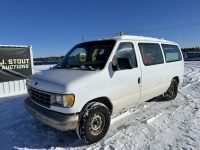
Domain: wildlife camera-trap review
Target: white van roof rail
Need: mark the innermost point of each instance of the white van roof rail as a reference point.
(138, 38)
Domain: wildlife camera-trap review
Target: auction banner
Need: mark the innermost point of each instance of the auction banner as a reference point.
(15, 63)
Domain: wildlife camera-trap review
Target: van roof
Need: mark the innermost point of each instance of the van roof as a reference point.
(137, 38)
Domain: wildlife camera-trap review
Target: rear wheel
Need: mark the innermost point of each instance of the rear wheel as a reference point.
(94, 122)
(172, 91)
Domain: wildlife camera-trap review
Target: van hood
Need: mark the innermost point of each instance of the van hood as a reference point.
(55, 80)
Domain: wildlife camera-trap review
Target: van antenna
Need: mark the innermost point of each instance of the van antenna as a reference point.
(82, 36)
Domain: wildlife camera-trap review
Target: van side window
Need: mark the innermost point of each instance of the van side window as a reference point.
(172, 52)
(151, 53)
(126, 50)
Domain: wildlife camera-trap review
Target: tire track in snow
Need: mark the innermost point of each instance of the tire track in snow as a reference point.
(191, 77)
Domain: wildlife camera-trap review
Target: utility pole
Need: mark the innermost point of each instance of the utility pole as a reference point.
(82, 36)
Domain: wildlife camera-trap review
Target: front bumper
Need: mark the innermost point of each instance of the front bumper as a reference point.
(54, 119)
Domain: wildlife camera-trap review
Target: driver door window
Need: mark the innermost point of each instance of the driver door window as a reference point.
(126, 50)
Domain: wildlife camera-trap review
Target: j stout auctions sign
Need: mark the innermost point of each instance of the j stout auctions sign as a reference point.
(15, 63)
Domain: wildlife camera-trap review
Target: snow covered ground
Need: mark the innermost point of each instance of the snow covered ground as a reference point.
(152, 125)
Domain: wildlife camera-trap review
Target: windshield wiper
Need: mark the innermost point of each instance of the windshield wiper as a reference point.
(88, 68)
(59, 66)
(62, 66)
(82, 67)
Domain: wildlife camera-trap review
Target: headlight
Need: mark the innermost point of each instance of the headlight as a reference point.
(65, 100)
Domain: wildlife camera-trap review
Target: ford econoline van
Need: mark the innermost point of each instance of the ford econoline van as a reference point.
(98, 78)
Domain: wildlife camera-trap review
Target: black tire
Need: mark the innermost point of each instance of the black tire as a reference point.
(94, 122)
(172, 91)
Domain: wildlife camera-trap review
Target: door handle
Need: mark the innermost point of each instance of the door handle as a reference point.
(139, 80)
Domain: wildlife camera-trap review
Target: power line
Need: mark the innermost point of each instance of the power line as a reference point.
(165, 28)
(144, 30)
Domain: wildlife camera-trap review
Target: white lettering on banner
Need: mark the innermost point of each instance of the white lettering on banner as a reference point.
(18, 61)
(10, 64)
(10, 67)
(2, 62)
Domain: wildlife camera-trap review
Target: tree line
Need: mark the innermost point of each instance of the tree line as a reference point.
(194, 49)
(47, 59)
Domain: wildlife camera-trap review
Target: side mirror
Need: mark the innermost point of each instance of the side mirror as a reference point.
(114, 64)
(123, 63)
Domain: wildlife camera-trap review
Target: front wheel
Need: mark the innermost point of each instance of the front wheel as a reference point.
(172, 91)
(94, 122)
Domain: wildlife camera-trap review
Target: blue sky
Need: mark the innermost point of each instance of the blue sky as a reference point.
(52, 27)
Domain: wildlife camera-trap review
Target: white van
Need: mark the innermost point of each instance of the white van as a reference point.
(98, 78)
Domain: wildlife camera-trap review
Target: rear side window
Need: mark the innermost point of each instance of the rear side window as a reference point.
(151, 53)
(172, 53)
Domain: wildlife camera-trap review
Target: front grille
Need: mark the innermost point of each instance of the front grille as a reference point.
(40, 97)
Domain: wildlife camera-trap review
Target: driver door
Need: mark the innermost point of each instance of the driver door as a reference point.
(126, 83)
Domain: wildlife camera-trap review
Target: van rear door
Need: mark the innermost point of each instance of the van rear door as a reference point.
(152, 67)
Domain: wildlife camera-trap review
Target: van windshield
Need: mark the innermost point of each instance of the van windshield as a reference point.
(88, 55)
